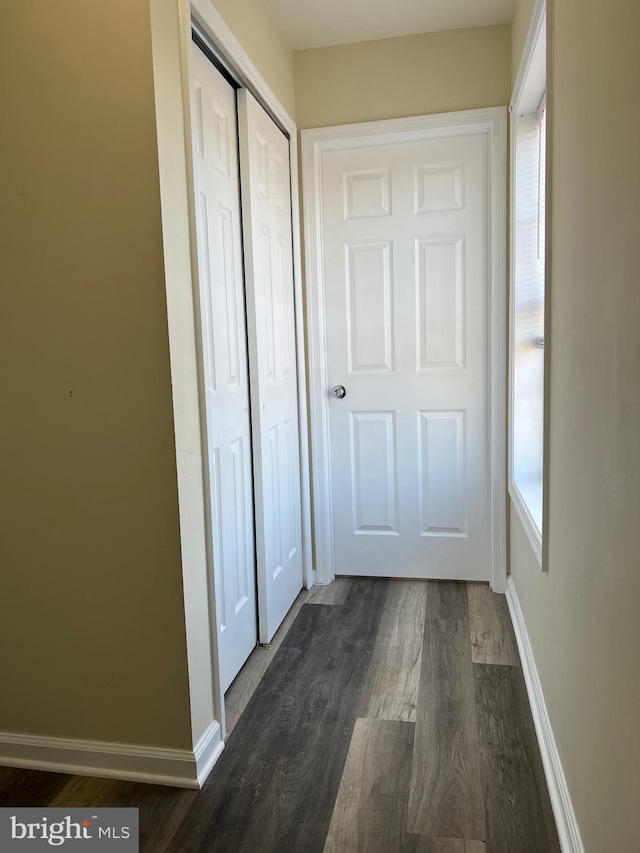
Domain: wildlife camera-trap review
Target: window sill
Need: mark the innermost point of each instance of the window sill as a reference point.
(527, 499)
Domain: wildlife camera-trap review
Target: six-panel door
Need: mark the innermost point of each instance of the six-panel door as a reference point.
(406, 272)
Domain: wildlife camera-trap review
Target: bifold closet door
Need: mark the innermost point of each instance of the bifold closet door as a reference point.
(224, 344)
(266, 204)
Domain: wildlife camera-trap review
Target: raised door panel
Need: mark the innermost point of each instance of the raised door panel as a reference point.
(205, 241)
(370, 307)
(367, 194)
(373, 472)
(441, 302)
(284, 275)
(242, 576)
(232, 295)
(439, 187)
(274, 504)
(267, 307)
(230, 528)
(291, 510)
(443, 476)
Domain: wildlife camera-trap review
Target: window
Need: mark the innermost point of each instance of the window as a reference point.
(528, 221)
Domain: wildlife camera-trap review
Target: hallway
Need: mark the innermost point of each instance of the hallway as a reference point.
(393, 718)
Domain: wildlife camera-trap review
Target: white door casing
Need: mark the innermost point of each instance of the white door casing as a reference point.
(405, 281)
(266, 195)
(224, 344)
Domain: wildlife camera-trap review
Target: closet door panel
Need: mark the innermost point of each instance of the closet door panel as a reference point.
(225, 362)
(266, 202)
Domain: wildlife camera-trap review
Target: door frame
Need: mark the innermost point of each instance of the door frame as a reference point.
(491, 122)
(171, 24)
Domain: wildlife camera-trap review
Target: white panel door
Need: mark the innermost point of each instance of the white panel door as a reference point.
(225, 362)
(266, 196)
(405, 248)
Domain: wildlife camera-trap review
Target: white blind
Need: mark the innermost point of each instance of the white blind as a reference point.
(529, 247)
(542, 180)
(530, 227)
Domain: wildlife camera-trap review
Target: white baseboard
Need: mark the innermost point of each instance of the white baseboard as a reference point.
(207, 751)
(567, 825)
(179, 768)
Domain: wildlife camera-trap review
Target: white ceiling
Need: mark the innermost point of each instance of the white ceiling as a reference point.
(317, 23)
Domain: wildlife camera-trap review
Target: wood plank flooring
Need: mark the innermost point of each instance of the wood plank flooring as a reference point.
(446, 797)
(518, 818)
(386, 716)
(244, 685)
(276, 783)
(391, 692)
(492, 638)
(371, 807)
(332, 593)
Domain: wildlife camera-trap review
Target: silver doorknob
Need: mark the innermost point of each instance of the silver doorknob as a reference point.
(339, 391)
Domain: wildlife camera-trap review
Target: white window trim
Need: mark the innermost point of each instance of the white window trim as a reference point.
(530, 86)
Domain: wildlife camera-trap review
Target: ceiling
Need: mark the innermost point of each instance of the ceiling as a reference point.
(317, 23)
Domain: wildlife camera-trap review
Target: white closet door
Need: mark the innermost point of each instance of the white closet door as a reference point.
(266, 198)
(225, 362)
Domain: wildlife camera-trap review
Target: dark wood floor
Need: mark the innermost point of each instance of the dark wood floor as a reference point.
(388, 716)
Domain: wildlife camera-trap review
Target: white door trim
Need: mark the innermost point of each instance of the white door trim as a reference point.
(493, 123)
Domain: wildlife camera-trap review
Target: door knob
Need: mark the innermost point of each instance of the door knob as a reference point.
(339, 391)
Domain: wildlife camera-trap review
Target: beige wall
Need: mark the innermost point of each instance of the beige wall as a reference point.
(92, 621)
(583, 616)
(91, 611)
(258, 34)
(397, 77)
(519, 30)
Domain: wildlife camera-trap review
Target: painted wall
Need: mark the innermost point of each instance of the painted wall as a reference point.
(583, 616)
(398, 77)
(519, 30)
(255, 29)
(91, 611)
